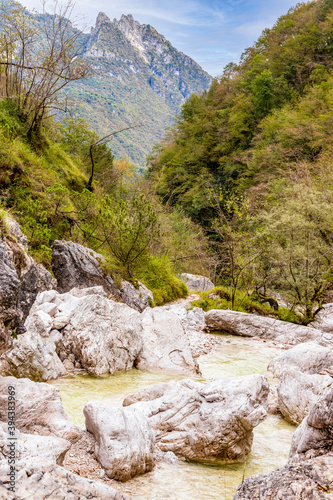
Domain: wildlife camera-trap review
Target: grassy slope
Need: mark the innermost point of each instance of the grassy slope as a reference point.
(28, 171)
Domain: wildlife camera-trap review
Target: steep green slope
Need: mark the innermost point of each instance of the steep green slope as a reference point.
(43, 184)
(251, 160)
(262, 117)
(137, 78)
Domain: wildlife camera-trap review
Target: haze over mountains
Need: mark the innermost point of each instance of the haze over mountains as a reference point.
(138, 78)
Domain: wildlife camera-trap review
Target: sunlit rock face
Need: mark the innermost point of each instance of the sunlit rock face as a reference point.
(125, 441)
(205, 422)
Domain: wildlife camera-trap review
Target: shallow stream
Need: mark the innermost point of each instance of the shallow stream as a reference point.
(231, 356)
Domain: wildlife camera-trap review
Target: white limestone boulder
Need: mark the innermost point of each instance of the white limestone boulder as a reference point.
(250, 325)
(25, 446)
(308, 357)
(39, 409)
(191, 319)
(44, 480)
(196, 282)
(103, 335)
(33, 354)
(297, 393)
(125, 441)
(164, 343)
(205, 422)
(314, 437)
(80, 328)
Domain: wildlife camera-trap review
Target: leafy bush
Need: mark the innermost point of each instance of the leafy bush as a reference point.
(129, 230)
(220, 298)
(158, 276)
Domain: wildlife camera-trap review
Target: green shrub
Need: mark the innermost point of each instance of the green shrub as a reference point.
(220, 298)
(158, 276)
(3, 222)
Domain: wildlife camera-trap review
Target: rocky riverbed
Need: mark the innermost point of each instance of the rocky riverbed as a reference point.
(154, 403)
(174, 478)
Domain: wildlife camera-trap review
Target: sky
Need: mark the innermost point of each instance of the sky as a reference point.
(212, 32)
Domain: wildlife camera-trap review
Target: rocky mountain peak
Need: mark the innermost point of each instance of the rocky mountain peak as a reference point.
(129, 19)
(101, 19)
(135, 69)
(133, 31)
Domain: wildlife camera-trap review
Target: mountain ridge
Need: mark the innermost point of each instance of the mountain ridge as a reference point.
(139, 77)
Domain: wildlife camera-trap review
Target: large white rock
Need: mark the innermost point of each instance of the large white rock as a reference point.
(68, 302)
(33, 446)
(205, 422)
(103, 335)
(250, 325)
(39, 409)
(45, 480)
(33, 354)
(191, 319)
(164, 343)
(314, 437)
(307, 358)
(298, 391)
(125, 442)
(196, 282)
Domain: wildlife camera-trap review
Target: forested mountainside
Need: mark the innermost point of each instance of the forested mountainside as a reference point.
(251, 160)
(44, 181)
(61, 182)
(265, 117)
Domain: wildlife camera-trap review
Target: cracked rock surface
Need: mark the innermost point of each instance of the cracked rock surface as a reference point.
(204, 422)
(125, 442)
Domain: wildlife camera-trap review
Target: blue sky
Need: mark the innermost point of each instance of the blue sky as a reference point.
(212, 32)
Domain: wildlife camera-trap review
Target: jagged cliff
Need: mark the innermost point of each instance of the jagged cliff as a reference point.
(138, 78)
(174, 75)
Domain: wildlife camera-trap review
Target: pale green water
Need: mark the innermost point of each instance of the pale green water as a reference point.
(232, 356)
